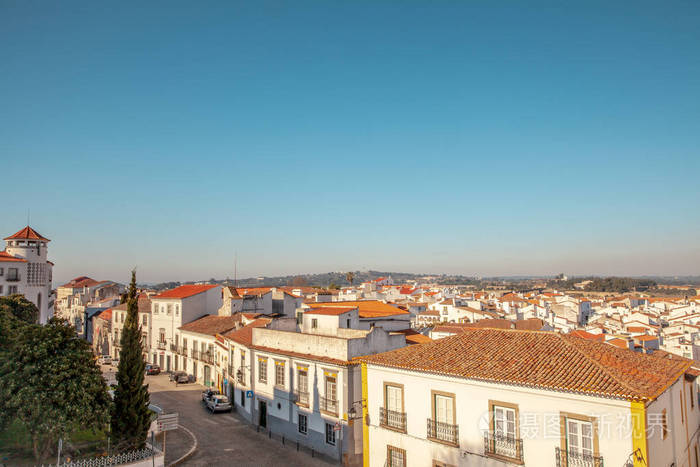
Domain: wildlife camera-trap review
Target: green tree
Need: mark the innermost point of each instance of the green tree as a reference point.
(130, 416)
(20, 308)
(50, 383)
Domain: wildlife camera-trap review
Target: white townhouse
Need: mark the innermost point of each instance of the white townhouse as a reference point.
(201, 351)
(370, 314)
(25, 270)
(305, 385)
(118, 318)
(173, 308)
(493, 397)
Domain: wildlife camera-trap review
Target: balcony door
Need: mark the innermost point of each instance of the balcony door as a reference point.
(579, 437)
(444, 409)
(504, 431)
(394, 399)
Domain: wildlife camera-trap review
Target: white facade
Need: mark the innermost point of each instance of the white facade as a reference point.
(25, 270)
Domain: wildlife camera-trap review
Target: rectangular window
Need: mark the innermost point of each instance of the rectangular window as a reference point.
(395, 457)
(393, 398)
(331, 388)
(303, 424)
(444, 409)
(0, 289)
(170, 308)
(161, 336)
(11, 289)
(184, 344)
(303, 380)
(279, 374)
(155, 309)
(330, 434)
(504, 422)
(12, 274)
(664, 423)
(2, 271)
(314, 323)
(262, 370)
(579, 436)
(145, 320)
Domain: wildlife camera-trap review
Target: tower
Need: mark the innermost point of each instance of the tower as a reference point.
(27, 270)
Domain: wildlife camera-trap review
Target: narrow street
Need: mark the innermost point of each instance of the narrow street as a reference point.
(222, 439)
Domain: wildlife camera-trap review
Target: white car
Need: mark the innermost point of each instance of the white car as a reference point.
(104, 360)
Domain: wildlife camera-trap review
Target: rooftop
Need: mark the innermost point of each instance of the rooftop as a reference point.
(185, 291)
(6, 257)
(212, 324)
(27, 233)
(367, 308)
(540, 359)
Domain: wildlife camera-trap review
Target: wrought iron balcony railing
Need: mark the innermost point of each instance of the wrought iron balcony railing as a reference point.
(195, 354)
(328, 405)
(392, 419)
(161, 345)
(301, 398)
(503, 446)
(576, 458)
(443, 432)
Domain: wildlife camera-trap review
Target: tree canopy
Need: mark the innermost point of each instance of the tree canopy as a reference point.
(50, 383)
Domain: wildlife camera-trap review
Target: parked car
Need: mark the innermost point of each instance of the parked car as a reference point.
(115, 362)
(179, 377)
(208, 394)
(219, 403)
(104, 360)
(152, 369)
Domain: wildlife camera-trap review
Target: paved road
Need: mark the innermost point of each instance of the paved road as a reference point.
(223, 439)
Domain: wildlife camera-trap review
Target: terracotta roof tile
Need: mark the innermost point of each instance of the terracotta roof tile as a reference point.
(185, 291)
(5, 257)
(244, 335)
(329, 311)
(367, 308)
(540, 359)
(212, 324)
(27, 233)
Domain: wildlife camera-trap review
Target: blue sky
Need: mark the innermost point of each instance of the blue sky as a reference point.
(462, 137)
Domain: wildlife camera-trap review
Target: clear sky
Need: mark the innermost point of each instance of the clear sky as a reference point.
(462, 137)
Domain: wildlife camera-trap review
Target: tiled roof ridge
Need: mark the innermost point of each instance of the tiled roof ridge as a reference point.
(595, 362)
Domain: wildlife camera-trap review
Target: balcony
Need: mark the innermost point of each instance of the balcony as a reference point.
(503, 447)
(441, 432)
(161, 345)
(301, 398)
(206, 357)
(330, 406)
(240, 377)
(195, 354)
(173, 348)
(392, 420)
(14, 278)
(182, 351)
(575, 458)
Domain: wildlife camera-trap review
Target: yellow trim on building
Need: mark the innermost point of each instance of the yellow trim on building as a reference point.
(365, 427)
(639, 434)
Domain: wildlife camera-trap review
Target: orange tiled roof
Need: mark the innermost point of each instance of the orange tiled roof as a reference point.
(414, 337)
(540, 359)
(185, 291)
(6, 257)
(329, 311)
(588, 335)
(212, 324)
(244, 335)
(27, 233)
(144, 304)
(367, 308)
(80, 282)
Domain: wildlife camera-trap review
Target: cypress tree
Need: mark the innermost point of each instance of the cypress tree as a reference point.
(131, 417)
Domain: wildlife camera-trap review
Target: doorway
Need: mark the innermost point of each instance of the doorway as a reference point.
(207, 376)
(263, 413)
(168, 363)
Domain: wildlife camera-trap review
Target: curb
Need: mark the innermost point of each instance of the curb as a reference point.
(188, 453)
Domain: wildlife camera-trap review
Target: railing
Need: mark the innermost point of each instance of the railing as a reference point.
(301, 398)
(575, 458)
(503, 446)
(173, 348)
(116, 459)
(16, 278)
(328, 405)
(392, 419)
(161, 345)
(182, 351)
(195, 354)
(443, 432)
(207, 357)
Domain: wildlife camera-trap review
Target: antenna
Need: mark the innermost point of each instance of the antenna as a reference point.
(235, 268)
(28, 211)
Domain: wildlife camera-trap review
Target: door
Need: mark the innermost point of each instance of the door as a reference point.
(504, 431)
(207, 375)
(167, 360)
(161, 361)
(263, 414)
(579, 437)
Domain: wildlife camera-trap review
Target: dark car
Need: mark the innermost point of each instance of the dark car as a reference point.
(208, 394)
(179, 377)
(152, 369)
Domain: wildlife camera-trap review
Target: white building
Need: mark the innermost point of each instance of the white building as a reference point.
(491, 397)
(25, 269)
(173, 308)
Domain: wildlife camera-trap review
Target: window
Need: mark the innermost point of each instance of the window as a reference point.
(579, 436)
(395, 457)
(0, 289)
(12, 274)
(262, 370)
(184, 344)
(331, 388)
(161, 336)
(279, 374)
(242, 398)
(503, 436)
(504, 421)
(303, 427)
(330, 434)
(11, 289)
(314, 323)
(177, 310)
(443, 408)
(303, 380)
(170, 308)
(155, 309)
(664, 423)
(2, 271)
(145, 320)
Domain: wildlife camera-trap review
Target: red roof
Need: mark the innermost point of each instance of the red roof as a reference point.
(6, 257)
(27, 233)
(414, 337)
(244, 335)
(185, 291)
(367, 308)
(329, 311)
(588, 335)
(105, 315)
(80, 282)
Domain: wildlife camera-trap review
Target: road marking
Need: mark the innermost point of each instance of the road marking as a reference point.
(209, 421)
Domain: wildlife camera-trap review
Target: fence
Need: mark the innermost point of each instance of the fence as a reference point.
(116, 459)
